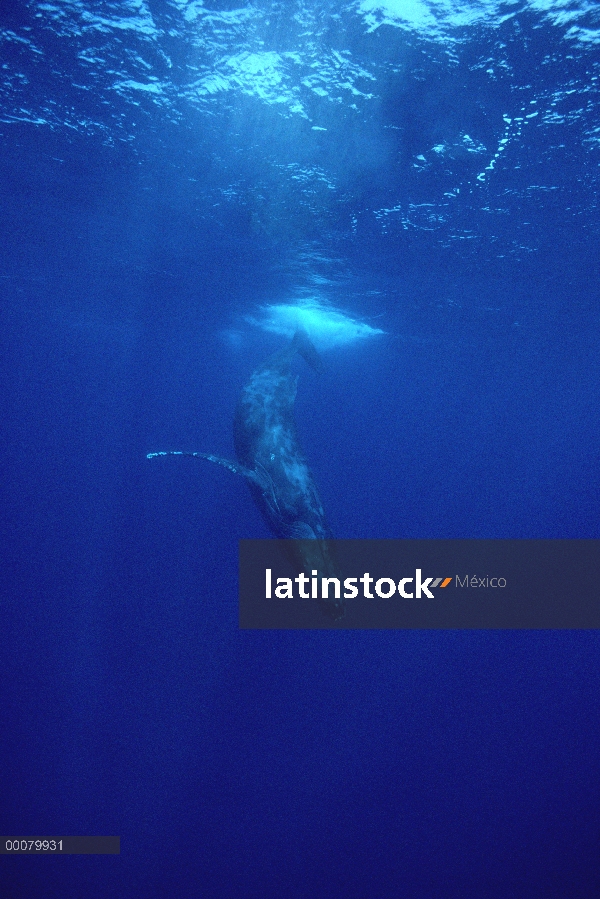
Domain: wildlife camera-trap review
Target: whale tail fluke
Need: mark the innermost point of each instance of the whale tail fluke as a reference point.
(304, 345)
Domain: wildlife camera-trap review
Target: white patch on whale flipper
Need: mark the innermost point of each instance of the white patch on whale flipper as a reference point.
(234, 467)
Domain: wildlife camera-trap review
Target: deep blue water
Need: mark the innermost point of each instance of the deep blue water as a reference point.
(168, 169)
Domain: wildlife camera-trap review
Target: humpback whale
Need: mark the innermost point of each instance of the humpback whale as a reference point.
(269, 457)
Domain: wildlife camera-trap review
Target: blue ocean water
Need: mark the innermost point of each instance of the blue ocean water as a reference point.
(175, 178)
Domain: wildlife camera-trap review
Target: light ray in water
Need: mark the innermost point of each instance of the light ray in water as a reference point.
(326, 326)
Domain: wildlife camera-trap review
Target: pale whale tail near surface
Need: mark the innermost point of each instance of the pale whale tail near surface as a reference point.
(270, 458)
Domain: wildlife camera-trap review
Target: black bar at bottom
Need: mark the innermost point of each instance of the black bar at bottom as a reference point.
(60, 845)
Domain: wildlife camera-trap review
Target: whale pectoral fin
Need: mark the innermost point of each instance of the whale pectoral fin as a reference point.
(235, 467)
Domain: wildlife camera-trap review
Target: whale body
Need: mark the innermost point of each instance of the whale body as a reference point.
(271, 460)
(266, 444)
